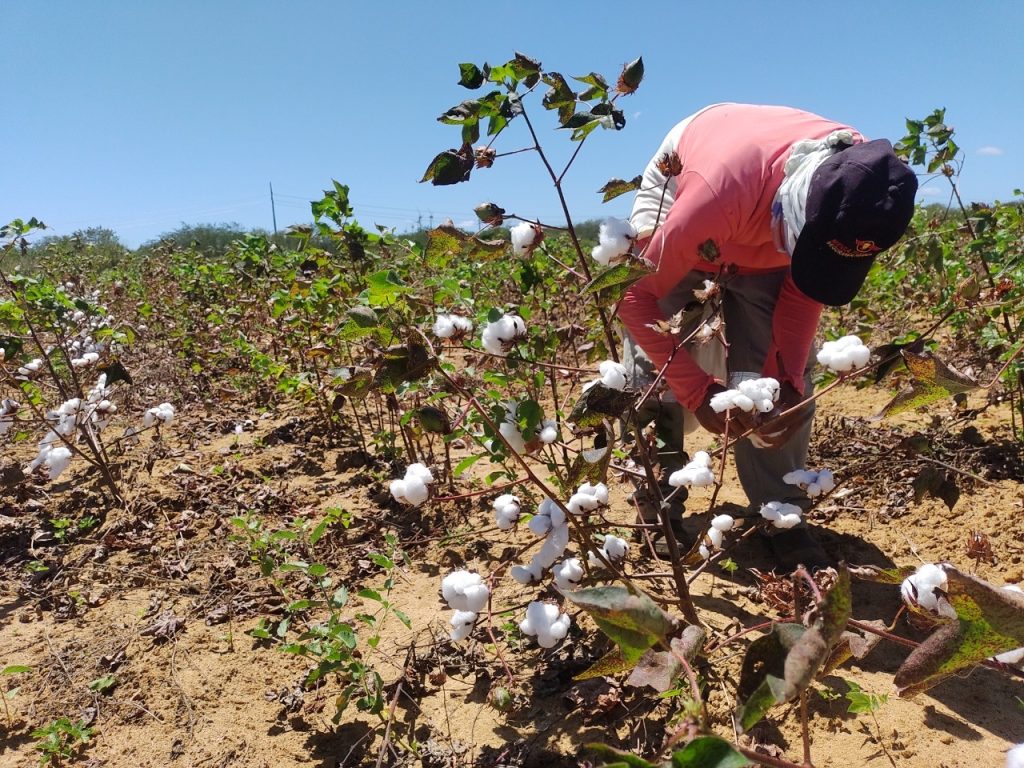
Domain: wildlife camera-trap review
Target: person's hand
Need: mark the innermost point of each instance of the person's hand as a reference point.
(778, 429)
(739, 422)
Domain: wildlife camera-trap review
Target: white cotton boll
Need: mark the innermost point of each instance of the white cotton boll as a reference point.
(462, 324)
(582, 502)
(560, 627)
(553, 548)
(540, 524)
(826, 480)
(57, 460)
(568, 574)
(420, 472)
(782, 515)
(603, 254)
(919, 589)
(416, 491)
(524, 574)
(704, 552)
(548, 431)
(799, 477)
(599, 491)
(722, 401)
(554, 513)
(1015, 757)
(766, 405)
(462, 624)
(454, 586)
(615, 548)
(743, 402)
(1012, 658)
(716, 537)
(513, 436)
(723, 523)
(788, 520)
(701, 459)
(397, 489)
(523, 236)
(165, 412)
(506, 510)
(618, 233)
(844, 354)
(490, 341)
(813, 490)
(444, 328)
(859, 356)
(613, 375)
(476, 597)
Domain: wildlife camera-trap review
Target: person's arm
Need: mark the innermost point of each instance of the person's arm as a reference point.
(695, 217)
(794, 325)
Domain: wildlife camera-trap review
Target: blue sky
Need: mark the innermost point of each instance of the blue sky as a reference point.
(139, 116)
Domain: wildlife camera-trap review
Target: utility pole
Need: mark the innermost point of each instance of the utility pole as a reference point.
(273, 210)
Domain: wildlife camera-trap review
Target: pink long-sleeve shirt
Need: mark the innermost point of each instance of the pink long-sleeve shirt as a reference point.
(732, 157)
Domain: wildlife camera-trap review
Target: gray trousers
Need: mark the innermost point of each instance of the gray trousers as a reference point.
(748, 304)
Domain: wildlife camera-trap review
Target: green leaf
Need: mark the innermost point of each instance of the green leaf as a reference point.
(402, 364)
(382, 561)
(560, 96)
(433, 419)
(470, 76)
(385, 287)
(989, 621)
(615, 187)
(610, 285)
(450, 167)
(370, 594)
(598, 87)
(15, 669)
(762, 683)
(299, 605)
(614, 758)
(103, 685)
(611, 663)
(708, 752)
(467, 462)
(632, 620)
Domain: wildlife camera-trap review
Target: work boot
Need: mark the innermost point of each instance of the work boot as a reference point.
(798, 546)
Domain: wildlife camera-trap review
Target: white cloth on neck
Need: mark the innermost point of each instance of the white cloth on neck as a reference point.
(804, 158)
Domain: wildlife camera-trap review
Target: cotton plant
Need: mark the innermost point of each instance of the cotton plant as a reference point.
(568, 574)
(614, 549)
(781, 514)
(613, 376)
(715, 536)
(467, 595)
(414, 488)
(452, 326)
(844, 355)
(500, 335)
(545, 622)
(752, 395)
(696, 474)
(507, 510)
(525, 237)
(926, 589)
(549, 522)
(812, 483)
(615, 240)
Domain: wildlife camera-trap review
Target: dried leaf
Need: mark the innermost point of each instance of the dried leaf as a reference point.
(632, 620)
(615, 187)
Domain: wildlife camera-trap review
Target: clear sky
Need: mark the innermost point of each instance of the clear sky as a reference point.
(139, 115)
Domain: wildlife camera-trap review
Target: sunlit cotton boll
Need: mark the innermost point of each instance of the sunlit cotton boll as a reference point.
(163, 413)
(500, 334)
(513, 436)
(919, 589)
(444, 328)
(524, 574)
(723, 523)
(716, 537)
(781, 514)
(545, 622)
(506, 510)
(614, 550)
(568, 574)
(845, 354)
(1015, 757)
(615, 238)
(548, 431)
(613, 375)
(814, 483)
(696, 474)
(524, 237)
(57, 460)
(462, 625)
(464, 591)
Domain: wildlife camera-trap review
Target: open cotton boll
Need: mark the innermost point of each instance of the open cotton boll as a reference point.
(444, 328)
(420, 472)
(476, 597)
(548, 431)
(57, 460)
(582, 502)
(545, 622)
(604, 254)
(506, 510)
(716, 537)
(845, 354)
(613, 375)
(513, 436)
(568, 574)
(416, 491)
(615, 239)
(462, 624)
(919, 589)
(524, 574)
(457, 586)
(553, 548)
(1015, 757)
(723, 523)
(599, 491)
(781, 514)
(524, 236)
(704, 552)
(499, 335)
(800, 477)
(540, 524)
(615, 548)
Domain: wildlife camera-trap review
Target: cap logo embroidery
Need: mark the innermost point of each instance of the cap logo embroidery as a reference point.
(863, 248)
